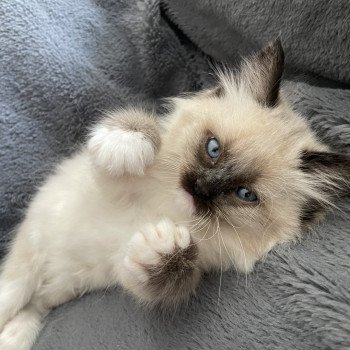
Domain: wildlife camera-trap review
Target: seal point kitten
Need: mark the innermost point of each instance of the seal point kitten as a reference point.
(153, 203)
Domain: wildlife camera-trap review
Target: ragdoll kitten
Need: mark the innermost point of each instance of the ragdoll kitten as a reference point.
(150, 204)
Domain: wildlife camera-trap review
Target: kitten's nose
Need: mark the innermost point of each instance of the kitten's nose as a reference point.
(201, 189)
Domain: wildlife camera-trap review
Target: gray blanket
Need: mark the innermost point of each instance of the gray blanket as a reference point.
(62, 62)
(315, 33)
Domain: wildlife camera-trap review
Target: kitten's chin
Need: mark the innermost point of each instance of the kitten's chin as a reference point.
(184, 201)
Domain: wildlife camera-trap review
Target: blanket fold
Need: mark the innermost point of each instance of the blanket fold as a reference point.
(315, 34)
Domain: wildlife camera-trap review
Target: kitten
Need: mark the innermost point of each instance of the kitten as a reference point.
(151, 204)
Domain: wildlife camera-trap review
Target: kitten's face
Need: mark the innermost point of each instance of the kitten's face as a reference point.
(247, 160)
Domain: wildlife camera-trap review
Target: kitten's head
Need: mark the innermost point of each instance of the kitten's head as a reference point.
(250, 162)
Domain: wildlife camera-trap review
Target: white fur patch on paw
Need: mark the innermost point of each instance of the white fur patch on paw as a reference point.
(147, 247)
(120, 151)
(20, 333)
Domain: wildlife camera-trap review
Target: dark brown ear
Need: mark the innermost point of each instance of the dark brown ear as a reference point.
(330, 166)
(262, 73)
(331, 174)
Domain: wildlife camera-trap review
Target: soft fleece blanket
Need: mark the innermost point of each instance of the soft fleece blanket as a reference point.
(62, 62)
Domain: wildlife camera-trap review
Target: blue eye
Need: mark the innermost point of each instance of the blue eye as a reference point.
(213, 148)
(246, 195)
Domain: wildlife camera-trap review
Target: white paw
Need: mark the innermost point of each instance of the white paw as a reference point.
(20, 333)
(148, 247)
(120, 151)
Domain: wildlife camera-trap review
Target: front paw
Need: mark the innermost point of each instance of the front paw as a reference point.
(121, 151)
(125, 141)
(161, 264)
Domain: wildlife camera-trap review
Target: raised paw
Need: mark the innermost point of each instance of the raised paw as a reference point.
(124, 142)
(161, 264)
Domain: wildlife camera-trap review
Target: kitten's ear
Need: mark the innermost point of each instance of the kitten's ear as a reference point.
(330, 177)
(262, 73)
(330, 170)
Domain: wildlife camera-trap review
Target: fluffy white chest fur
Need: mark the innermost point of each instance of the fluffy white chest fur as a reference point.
(151, 204)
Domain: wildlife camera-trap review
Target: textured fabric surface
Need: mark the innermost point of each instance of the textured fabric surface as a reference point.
(62, 62)
(315, 34)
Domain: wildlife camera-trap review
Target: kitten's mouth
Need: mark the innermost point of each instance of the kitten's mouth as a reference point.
(195, 193)
(186, 202)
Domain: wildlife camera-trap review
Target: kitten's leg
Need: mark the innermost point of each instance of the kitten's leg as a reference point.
(21, 331)
(23, 304)
(124, 142)
(19, 277)
(160, 265)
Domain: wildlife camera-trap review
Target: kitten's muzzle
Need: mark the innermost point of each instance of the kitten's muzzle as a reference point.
(202, 190)
(203, 187)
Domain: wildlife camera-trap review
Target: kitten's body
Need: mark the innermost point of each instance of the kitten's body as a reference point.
(143, 206)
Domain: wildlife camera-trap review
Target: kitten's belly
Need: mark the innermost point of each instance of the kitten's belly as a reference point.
(81, 228)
